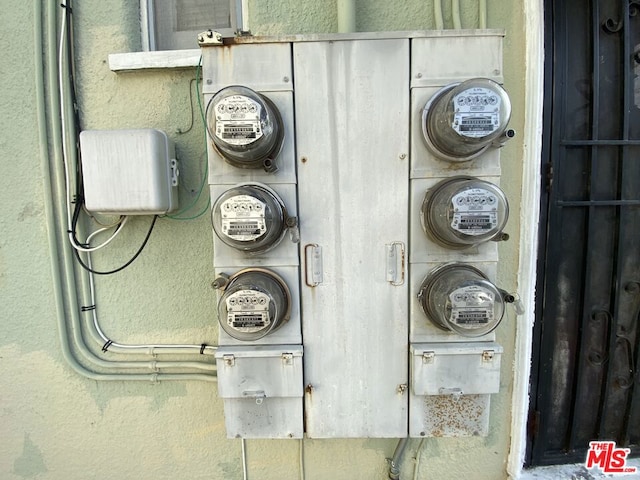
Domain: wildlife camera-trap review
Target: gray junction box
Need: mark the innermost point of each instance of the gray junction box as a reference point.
(129, 172)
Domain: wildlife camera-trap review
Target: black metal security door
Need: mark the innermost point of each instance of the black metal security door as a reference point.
(586, 381)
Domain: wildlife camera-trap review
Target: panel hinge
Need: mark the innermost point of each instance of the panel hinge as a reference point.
(487, 355)
(428, 357)
(287, 358)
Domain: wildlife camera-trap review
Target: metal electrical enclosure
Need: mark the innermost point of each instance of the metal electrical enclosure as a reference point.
(353, 170)
(129, 172)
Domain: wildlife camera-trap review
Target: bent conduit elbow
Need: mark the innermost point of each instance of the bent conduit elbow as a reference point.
(61, 262)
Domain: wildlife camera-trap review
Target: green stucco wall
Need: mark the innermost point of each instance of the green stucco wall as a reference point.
(55, 424)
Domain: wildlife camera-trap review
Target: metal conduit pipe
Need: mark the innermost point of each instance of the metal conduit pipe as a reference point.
(147, 349)
(394, 464)
(455, 13)
(482, 14)
(97, 334)
(437, 13)
(63, 269)
(346, 16)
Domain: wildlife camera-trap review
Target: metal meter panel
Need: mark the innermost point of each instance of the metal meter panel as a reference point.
(261, 67)
(425, 249)
(352, 106)
(283, 254)
(450, 388)
(290, 331)
(455, 368)
(438, 61)
(221, 172)
(422, 329)
(262, 389)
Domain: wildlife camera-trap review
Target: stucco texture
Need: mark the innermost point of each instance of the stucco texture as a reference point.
(56, 424)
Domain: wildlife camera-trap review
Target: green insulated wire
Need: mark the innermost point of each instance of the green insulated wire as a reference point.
(206, 163)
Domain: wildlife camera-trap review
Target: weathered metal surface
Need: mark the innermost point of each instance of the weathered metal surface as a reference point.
(262, 390)
(264, 67)
(470, 368)
(450, 416)
(352, 107)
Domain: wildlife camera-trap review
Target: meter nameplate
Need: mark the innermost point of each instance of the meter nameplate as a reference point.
(243, 218)
(248, 311)
(477, 112)
(238, 120)
(475, 211)
(471, 306)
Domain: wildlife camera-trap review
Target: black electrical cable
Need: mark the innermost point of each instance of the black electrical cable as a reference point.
(71, 73)
(79, 188)
(96, 272)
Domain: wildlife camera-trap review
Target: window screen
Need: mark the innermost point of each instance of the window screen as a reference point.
(174, 24)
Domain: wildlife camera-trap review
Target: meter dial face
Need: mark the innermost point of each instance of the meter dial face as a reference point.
(474, 211)
(461, 212)
(246, 128)
(250, 217)
(243, 218)
(476, 112)
(248, 311)
(239, 120)
(462, 119)
(459, 298)
(255, 303)
(471, 306)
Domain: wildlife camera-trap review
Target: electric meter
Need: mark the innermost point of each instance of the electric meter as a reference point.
(460, 212)
(250, 217)
(246, 128)
(255, 302)
(463, 119)
(460, 298)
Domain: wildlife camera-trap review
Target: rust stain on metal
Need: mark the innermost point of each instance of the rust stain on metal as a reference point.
(448, 416)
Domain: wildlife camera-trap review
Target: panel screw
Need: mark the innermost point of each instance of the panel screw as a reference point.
(418, 75)
(403, 156)
(303, 159)
(286, 79)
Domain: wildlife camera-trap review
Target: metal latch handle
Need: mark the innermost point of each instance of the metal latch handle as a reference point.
(259, 395)
(454, 393)
(395, 255)
(313, 274)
